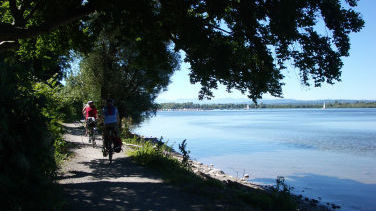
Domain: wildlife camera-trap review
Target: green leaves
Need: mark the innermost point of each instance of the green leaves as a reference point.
(267, 35)
(27, 165)
(242, 44)
(130, 62)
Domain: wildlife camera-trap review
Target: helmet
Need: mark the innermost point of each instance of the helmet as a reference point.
(88, 102)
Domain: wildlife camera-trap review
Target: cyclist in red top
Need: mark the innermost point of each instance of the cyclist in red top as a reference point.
(90, 111)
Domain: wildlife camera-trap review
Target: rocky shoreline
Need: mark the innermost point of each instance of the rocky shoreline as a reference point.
(204, 170)
(243, 182)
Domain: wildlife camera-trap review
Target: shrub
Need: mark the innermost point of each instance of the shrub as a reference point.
(185, 153)
(145, 154)
(27, 164)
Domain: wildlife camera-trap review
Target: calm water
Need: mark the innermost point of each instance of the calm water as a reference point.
(328, 154)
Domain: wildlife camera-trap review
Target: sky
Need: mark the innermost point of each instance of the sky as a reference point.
(358, 73)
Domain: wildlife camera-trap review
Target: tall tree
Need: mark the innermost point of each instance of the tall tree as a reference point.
(131, 66)
(27, 163)
(227, 41)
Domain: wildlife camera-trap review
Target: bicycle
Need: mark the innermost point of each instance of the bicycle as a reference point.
(109, 144)
(91, 124)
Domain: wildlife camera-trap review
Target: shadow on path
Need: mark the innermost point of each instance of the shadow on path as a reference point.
(124, 185)
(101, 169)
(105, 195)
(77, 130)
(90, 183)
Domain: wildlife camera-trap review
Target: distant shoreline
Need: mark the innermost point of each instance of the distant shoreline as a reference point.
(243, 106)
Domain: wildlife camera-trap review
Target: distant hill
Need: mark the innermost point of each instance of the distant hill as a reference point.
(213, 101)
(264, 101)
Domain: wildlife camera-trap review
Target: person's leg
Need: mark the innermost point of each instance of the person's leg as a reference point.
(105, 139)
(116, 129)
(111, 127)
(86, 129)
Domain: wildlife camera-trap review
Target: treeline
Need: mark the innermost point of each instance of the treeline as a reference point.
(233, 106)
(328, 105)
(190, 105)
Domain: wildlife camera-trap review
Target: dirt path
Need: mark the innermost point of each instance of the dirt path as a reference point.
(90, 183)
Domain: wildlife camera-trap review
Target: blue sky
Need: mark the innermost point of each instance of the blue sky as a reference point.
(358, 72)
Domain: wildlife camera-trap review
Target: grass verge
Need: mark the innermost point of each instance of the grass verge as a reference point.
(159, 158)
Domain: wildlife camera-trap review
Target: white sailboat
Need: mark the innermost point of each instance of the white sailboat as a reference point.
(323, 106)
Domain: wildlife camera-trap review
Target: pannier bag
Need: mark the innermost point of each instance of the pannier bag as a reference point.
(117, 144)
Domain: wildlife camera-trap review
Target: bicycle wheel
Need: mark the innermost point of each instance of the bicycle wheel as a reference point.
(92, 136)
(110, 150)
(89, 132)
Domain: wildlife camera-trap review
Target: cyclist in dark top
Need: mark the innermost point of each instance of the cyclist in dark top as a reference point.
(111, 121)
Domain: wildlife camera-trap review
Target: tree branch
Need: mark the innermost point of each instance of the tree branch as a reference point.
(13, 8)
(32, 11)
(9, 32)
(214, 26)
(25, 4)
(218, 28)
(18, 18)
(6, 45)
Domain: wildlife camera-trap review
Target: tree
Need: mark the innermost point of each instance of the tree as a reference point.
(243, 44)
(124, 65)
(28, 129)
(230, 42)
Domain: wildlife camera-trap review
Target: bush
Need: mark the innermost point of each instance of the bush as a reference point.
(27, 164)
(145, 154)
(185, 153)
(282, 195)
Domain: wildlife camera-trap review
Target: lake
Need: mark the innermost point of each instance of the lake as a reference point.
(329, 155)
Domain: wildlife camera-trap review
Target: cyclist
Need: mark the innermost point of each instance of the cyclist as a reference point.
(90, 111)
(84, 110)
(111, 122)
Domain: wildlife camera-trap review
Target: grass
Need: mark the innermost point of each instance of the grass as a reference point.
(60, 153)
(234, 195)
(62, 148)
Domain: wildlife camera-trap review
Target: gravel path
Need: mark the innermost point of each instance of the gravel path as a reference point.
(90, 183)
